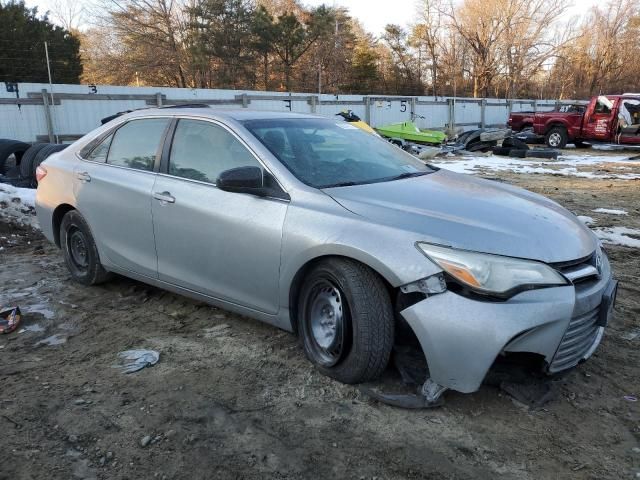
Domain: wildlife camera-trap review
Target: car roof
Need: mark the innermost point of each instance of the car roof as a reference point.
(233, 114)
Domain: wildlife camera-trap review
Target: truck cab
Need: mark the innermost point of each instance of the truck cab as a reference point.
(607, 118)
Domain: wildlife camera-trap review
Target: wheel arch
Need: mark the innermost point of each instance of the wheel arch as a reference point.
(295, 285)
(555, 123)
(58, 214)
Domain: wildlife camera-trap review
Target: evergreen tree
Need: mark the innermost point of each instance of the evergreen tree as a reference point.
(22, 53)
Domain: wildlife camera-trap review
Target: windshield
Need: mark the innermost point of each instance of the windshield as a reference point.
(325, 153)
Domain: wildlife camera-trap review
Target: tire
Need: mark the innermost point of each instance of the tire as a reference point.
(502, 151)
(542, 153)
(515, 143)
(40, 157)
(480, 146)
(356, 301)
(27, 159)
(80, 251)
(556, 137)
(516, 153)
(9, 147)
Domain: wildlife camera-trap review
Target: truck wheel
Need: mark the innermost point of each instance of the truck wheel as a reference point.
(557, 137)
(346, 320)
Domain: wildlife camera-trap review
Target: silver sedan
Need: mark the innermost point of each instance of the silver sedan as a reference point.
(322, 229)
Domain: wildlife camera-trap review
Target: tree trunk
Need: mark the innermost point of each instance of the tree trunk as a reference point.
(265, 60)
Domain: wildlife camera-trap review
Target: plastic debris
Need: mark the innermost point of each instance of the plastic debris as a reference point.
(134, 360)
(53, 340)
(10, 318)
(630, 398)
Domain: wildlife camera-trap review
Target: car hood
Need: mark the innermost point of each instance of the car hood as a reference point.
(470, 213)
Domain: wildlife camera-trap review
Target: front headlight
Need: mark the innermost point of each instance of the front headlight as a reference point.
(492, 274)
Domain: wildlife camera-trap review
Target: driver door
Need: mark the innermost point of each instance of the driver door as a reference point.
(600, 122)
(222, 244)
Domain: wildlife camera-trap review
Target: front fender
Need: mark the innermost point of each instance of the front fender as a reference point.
(311, 232)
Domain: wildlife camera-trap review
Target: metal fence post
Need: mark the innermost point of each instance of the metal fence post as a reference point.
(47, 115)
(414, 102)
(510, 106)
(159, 99)
(535, 105)
(367, 109)
(314, 100)
(245, 101)
(483, 112)
(452, 114)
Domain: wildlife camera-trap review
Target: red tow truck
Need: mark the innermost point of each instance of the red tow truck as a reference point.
(606, 119)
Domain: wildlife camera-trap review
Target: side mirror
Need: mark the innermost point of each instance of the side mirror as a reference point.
(242, 180)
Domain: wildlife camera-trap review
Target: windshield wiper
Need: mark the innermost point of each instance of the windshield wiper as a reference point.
(405, 175)
(342, 184)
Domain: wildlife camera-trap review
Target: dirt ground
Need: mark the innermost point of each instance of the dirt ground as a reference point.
(233, 398)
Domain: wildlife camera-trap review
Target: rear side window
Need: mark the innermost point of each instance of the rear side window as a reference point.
(99, 154)
(136, 144)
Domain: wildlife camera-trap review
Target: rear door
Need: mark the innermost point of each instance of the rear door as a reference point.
(113, 192)
(225, 245)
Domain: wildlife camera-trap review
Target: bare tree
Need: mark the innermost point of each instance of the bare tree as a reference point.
(70, 14)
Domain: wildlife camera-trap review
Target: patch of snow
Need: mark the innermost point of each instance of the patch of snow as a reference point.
(566, 165)
(611, 211)
(18, 205)
(619, 236)
(586, 220)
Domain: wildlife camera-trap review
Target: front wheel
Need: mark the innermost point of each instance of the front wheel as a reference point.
(345, 320)
(557, 137)
(80, 251)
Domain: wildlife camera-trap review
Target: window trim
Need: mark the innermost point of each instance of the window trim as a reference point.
(168, 143)
(112, 131)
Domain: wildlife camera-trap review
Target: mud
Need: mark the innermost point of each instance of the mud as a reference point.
(233, 398)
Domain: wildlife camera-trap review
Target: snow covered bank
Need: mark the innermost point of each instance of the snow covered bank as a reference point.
(583, 166)
(623, 236)
(611, 211)
(18, 205)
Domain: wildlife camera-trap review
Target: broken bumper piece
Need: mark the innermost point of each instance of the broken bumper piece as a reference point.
(461, 337)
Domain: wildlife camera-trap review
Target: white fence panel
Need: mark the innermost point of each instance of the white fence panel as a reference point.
(77, 109)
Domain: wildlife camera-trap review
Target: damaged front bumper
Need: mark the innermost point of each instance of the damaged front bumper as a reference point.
(461, 337)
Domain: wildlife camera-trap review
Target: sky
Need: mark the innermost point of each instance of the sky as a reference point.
(373, 14)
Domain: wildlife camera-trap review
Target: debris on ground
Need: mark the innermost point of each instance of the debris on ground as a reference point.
(10, 318)
(134, 360)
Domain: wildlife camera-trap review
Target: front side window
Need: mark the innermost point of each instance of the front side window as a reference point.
(202, 150)
(136, 144)
(327, 153)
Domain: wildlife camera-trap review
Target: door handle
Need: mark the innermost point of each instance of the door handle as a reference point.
(83, 177)
(165, 197)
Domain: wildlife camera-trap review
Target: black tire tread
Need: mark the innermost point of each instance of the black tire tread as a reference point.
(516, 143)
(369, 358)
(562, 131)
(28, 157)
(97, 273)
(8, 147)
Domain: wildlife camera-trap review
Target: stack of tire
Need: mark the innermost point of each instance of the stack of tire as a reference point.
(22, 172)
(513, 147)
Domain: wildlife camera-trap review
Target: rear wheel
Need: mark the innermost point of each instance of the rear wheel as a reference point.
(80, 251)
(346, 320)
(557, 137)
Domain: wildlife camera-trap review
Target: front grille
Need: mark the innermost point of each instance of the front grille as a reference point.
(578, 340)
(581, 270)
